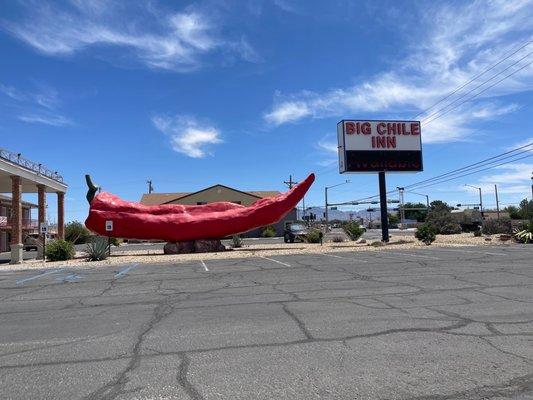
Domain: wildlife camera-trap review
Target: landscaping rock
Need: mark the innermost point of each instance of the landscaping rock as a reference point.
(505, 237)
(360, 241)
(208, 246)
(179, 247)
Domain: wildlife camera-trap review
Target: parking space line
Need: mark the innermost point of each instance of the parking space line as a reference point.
(123, 272)
(410, 255)
(205, 266)
(20, 281)
(276, 261)
(473, 252)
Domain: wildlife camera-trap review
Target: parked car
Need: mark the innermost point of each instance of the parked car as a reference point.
(294, 231)
(31, 242)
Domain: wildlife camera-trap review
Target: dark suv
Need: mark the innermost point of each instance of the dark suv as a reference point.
(294, 231)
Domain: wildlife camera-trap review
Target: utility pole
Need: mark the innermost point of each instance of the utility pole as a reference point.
(290, 182)
(326, 207)
(402, 211)
(480, 199)
(497, 202)
(150, 187)
(383, 204)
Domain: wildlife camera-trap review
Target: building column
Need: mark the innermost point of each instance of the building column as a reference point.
(41, 216)
(60, 215)
(16, 220)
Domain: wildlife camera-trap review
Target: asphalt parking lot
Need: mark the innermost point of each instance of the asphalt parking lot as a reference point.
(437, 323)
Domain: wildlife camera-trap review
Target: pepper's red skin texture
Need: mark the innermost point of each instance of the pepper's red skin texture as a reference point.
(176, 223)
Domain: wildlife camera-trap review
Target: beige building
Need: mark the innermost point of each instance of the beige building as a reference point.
(217, 193)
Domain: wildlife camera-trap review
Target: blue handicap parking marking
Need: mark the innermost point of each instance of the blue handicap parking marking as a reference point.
(31, 278)
(69, 278)
(124, 271)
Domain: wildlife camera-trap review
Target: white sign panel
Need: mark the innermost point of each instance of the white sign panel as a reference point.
(374, 146)
(43, 227)
(109, 226)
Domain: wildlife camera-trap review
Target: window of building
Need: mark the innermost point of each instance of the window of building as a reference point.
(201, 203)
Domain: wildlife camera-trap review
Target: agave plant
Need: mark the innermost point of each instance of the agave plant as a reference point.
(524, 236)
(97, 248)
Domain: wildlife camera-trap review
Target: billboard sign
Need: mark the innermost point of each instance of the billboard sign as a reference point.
(379, 146)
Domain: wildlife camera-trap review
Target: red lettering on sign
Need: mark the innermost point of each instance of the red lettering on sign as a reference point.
(415, 129)
(391, 142)
(381, 128)
(366, 129)
(391, 128)
(350, 128)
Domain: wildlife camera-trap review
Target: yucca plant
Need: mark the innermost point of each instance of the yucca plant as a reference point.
(524, 235)
(97, 248)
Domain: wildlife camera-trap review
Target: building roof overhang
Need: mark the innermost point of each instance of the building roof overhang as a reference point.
(29, 179)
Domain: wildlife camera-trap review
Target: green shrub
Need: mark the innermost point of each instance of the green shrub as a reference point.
(426, 234)
(494, 226)
(353, 229)
(313, 236)
(268, 231)
(97, 248)
(114, 241)
(60, 250)
(76, 232)
(477, 233)
(236, 241)
(441, 219)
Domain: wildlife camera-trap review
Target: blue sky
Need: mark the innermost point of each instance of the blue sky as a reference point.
(244, 93)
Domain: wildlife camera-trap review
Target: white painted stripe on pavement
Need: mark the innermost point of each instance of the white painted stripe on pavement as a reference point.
(276, 261)
(39, 276)
(205, 266)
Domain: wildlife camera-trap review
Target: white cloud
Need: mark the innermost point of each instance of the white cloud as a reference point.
(187, 135)
(328, 146)
(456, 43)
(53, 120)
(287, 112)
(156, 38)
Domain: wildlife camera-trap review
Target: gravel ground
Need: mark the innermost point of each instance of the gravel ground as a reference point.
(258, 250)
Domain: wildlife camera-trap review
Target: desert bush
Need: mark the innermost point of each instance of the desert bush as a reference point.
(268, 231)
(494, 226)
(97, 248)
(114, 241)
(450, 228)
(376, 243)
(76, 232)
(353, 229)
(60, 250)
(426, 234)
(313, 236)
(477, 233)
(337, 239)
(236, 241)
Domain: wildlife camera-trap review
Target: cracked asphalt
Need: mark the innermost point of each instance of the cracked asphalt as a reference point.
(437, 323)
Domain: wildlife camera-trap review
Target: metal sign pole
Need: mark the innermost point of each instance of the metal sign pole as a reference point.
(383, 201)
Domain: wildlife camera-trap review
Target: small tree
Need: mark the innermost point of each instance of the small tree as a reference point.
(426, 234)
(353, 229)
(418, 215)
(76, 232)
(441, 219)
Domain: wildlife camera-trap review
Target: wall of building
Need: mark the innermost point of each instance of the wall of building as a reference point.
(217, 193)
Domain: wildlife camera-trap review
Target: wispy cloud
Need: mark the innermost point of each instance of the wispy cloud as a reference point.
(187, 135)
(53, 120)
(157, 38)
(458, 41)
(36, 106)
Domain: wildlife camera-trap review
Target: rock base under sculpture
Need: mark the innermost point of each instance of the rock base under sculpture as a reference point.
(194, 246)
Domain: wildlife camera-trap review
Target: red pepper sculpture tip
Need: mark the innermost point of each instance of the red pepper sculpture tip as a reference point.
(175, 223)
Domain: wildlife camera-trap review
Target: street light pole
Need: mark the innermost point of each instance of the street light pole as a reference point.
(480, 199)
(326, 200)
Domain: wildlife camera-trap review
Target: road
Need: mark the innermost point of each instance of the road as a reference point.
(392, 324)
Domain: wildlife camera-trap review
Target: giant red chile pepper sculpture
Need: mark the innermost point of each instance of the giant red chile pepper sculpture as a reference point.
(174, 223)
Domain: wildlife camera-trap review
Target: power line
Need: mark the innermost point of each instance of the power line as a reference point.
(477, 94)
(476, 164)
(474, 78)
